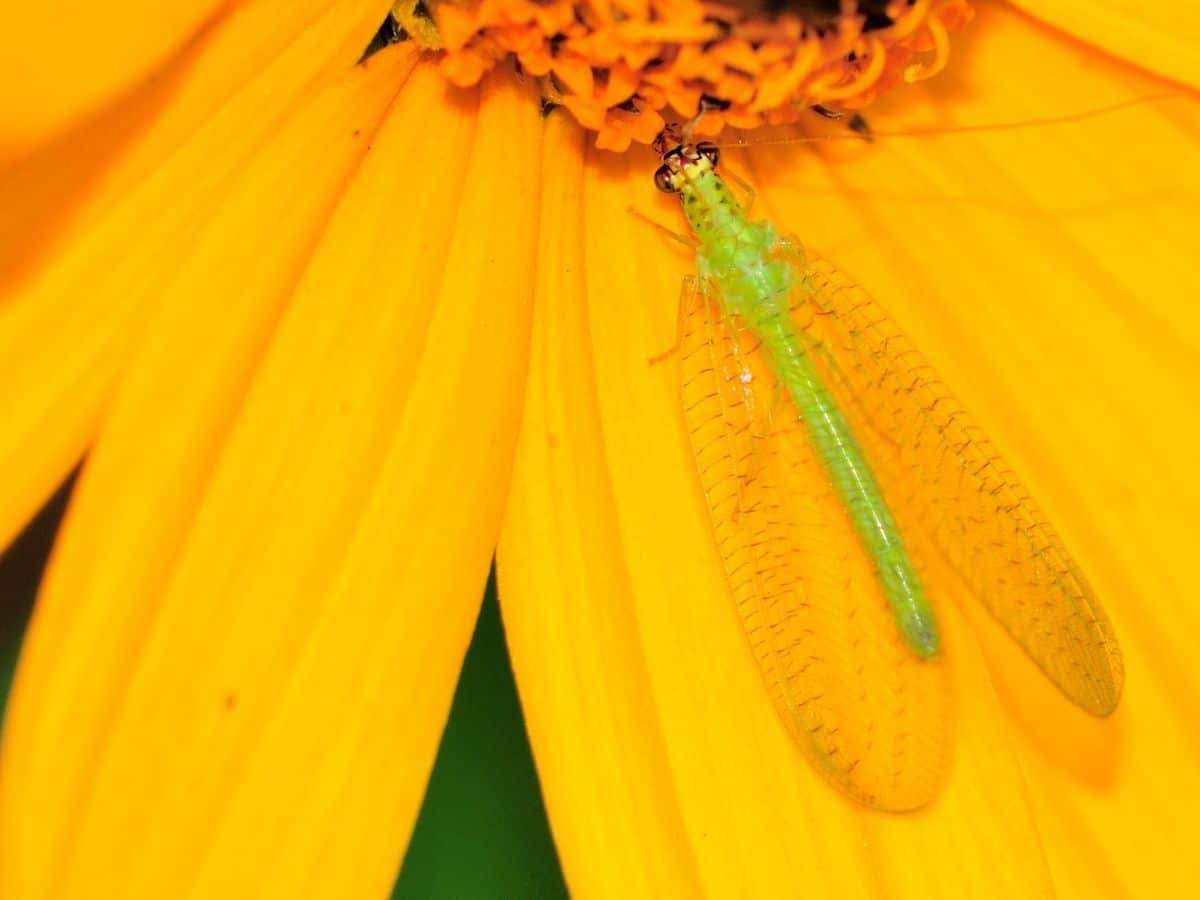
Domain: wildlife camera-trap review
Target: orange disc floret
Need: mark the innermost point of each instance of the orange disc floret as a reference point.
(619, 66)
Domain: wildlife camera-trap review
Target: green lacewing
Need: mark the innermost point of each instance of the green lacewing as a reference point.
(835, 464)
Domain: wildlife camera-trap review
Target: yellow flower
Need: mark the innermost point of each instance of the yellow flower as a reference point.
(293, 310)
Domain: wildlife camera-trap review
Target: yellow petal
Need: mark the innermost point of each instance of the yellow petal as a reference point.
(136, 497)
(1161, 37)
(565, 592)
(68, 324)
(1045, 272)
(760, 821)
(229, 721)
(58, 192)
(60, 61)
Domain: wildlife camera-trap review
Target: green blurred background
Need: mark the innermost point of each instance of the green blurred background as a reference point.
(482, 831)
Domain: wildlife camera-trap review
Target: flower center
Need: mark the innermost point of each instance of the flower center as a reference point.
(620, 66)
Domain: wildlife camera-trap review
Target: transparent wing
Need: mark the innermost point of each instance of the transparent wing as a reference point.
(948, 488)
(869, 714)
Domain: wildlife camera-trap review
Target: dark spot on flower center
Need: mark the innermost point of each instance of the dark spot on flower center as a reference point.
(389, 33)
(823, 12)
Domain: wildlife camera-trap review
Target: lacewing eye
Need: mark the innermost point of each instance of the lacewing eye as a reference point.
(711, 152)
(664, 180)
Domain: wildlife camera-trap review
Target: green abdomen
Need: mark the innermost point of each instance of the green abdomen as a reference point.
(852, 478)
